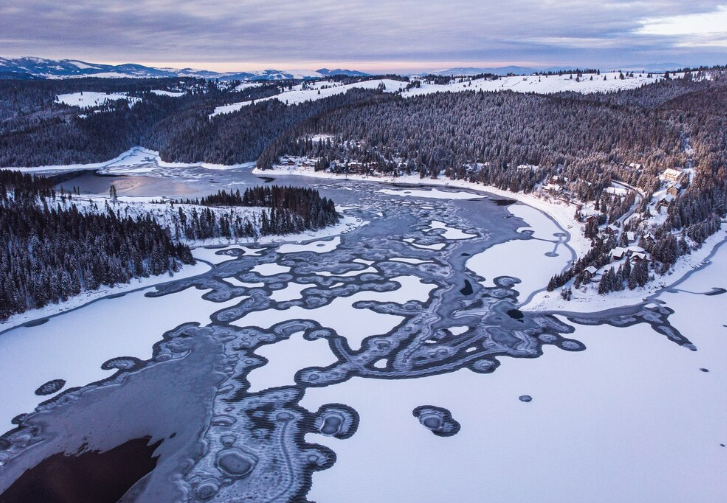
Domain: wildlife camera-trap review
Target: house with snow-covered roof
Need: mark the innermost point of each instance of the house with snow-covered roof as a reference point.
(671, 174)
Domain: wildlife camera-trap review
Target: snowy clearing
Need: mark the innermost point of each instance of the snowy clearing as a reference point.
(91, 99)
(171, 94)
(543, 84)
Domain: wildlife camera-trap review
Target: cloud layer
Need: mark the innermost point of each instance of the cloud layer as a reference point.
(257, 33)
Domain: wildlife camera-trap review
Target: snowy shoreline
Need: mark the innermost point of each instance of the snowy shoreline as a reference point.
(132, 157)
(346, 224)
(90, 296)
(563, 214)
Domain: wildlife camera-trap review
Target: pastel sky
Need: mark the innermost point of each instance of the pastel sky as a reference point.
(370, 35)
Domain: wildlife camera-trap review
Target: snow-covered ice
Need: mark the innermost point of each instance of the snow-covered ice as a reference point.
(431, 194)
(285, 358)
(72, 346)
(314, 246)
(522, 259)
(450, 232)
(632, 408)
(340, 315)
(270, 269)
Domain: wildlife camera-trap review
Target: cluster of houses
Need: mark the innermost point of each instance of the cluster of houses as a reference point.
(673, 179)
(348, 167)
(633, 254)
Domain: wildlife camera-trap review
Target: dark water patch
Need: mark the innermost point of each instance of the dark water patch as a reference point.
(467, 290)
(704, 370)
(36, 323)
(526, 398)
(515, 314)
(107, 175)
(50, 387)
(504, 202)
(466, 255)
(266, 179)
(90, 477)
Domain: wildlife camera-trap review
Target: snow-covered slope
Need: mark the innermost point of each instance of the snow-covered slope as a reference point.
(93, 99)
(315, 91)
(522, 84)
(542, 84)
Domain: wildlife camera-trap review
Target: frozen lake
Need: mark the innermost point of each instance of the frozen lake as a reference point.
(334, 369)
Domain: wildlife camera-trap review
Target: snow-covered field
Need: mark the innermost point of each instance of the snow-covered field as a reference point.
(544, 84)
(171, 94)
(91, 99)
(315, 91)
(605, 82)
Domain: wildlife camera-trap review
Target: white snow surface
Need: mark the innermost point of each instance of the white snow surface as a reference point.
(89, 296)
(313, 246)
(89, 99)
(285, 358)
(340, 315)
(522, 259)
(171, 94)
(633, 408)
(450, 232)
(270, 269)
(73, 346)
(430, 194)
(542, 84)
(315, 91)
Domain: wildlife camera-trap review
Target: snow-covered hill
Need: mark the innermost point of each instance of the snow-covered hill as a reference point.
(587, 83)
(605, 82)
(315, 91)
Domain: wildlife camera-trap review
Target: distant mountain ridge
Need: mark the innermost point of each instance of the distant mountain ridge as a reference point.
(39, 68)
(522, 70)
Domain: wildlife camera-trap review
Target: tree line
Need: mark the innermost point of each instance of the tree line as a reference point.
(50, 252)
(287, 210)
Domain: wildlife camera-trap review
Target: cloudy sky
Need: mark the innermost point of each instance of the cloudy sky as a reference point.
(373, 35)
